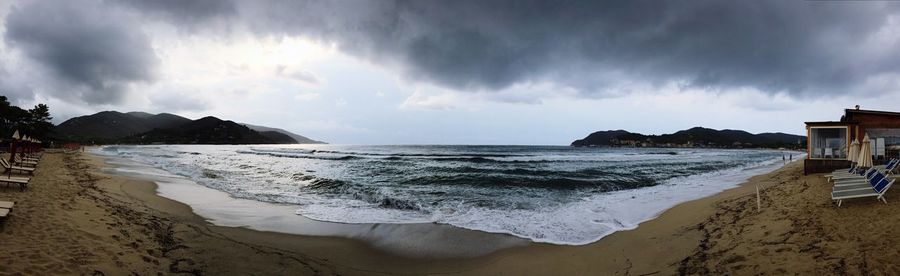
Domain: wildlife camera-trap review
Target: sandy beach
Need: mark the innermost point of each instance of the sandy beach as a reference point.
(75, 219)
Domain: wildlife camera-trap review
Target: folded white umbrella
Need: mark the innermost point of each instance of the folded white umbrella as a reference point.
(865, 153)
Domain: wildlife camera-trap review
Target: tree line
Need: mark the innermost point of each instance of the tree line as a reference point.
(34, 122)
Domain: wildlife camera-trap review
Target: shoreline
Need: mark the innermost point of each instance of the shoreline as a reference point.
(582, 221)
(416, 240)
(166, 236)
(617, 241)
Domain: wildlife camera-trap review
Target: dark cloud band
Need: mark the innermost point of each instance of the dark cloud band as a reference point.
(802, 48)
(796, 47)
(92, 52)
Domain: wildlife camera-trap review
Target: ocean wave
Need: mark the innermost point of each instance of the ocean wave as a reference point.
(400, 154)
(286, 155)
(547, 194)
(655, 153)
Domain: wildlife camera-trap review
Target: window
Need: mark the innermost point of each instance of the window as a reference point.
(828, 142)
(885, 142)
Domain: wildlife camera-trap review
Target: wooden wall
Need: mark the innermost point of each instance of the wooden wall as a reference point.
(867, 121)
(824, 165)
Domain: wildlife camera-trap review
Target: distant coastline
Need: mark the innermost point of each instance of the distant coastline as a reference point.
(697, 137)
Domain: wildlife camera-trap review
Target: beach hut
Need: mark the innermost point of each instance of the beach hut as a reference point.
(829, 143)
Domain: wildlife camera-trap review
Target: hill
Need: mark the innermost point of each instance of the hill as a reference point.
(299, 138)
(208, 130)
(118, 127)
(277, 137)
(601, 138)
(694, 137)
(111, 125)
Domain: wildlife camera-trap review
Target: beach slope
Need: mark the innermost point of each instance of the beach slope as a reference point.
(75, 219)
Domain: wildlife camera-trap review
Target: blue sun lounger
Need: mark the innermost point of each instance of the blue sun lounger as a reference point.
(887, 169)
(863, 175)
(866, 178)
(868, 184)
(877, 191)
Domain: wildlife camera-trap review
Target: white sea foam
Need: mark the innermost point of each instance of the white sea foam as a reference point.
(577, 223)
(413, 187)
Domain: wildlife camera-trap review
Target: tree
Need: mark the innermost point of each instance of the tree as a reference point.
(39, 121)
(11, 117)
(34, 122)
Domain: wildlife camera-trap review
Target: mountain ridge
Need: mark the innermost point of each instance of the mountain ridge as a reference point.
(118, 127)
(206, 130)
(299, 138)
(693, 137)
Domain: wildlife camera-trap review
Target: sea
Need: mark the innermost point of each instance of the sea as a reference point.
(549, 194)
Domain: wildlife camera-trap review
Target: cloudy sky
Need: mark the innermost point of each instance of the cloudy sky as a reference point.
(458, 72)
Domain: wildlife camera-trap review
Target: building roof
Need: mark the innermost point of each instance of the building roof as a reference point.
(875, 112)
(830, 123)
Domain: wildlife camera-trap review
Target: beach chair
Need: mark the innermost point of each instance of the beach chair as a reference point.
(9, 167)
(5, 208)
(31, 157)
(21, 181)
(867, 185)
(888, 164)
(877, 191)
(859, 182)
(891, 165)
(851, 176)
(24, 163)
(888, 170)
(851, 171)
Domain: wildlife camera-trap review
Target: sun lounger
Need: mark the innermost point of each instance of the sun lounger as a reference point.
(9, 167)
(21, 181)
(853, 176)
(851, 171)
(25, 163)
(31, 158)
(848, 170)
(890, 164)
(5, 207)
(869, 177)
(890, 167)
(850, 186)
(877, 191)
(889, 170)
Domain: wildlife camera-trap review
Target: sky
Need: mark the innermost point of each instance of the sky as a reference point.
(457, 72)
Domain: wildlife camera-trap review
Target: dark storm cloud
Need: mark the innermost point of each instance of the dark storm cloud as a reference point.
(94, 52)
(13, 87)
(599, 48)
(798, 47)
(184, 13)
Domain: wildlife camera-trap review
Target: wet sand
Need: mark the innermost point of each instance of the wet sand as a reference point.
(76, 219)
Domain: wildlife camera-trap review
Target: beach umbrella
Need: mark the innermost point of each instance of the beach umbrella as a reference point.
(865, 154)
(16, 135)
(854, 151)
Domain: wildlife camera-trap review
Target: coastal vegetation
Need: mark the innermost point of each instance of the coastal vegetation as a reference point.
(34, 122)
